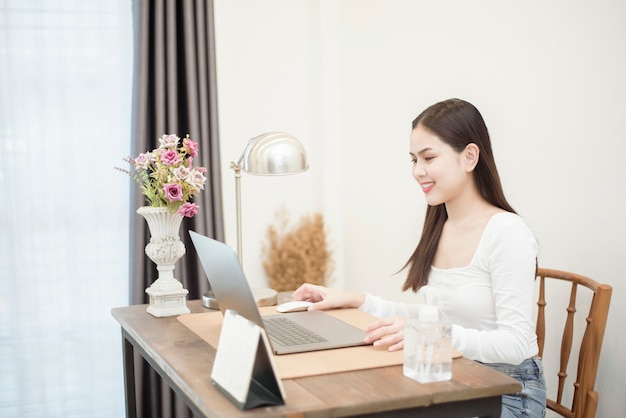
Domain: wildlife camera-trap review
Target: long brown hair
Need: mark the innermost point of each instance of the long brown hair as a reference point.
(457, 123)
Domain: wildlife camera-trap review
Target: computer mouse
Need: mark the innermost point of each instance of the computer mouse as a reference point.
(293, 306)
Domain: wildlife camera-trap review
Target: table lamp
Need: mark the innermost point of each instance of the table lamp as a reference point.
(269, 154)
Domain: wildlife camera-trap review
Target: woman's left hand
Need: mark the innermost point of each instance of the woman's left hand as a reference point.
(387, 332)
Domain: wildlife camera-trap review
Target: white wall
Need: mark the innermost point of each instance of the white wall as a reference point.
(347, 77)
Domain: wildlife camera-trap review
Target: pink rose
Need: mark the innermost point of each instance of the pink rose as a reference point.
(169, 141)
(191, 147)
(170, 157)
(197, 179)
(188, 209)
(143, 161)
(181, 173)
(173, 192)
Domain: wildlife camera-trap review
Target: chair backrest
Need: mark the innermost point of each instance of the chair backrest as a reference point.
(585, 398)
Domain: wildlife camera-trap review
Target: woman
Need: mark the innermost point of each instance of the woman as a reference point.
(474, 249)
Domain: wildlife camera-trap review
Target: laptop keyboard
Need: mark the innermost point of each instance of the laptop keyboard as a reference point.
(288, 333)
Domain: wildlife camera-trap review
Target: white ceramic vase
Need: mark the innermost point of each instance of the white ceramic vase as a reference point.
(167, 295)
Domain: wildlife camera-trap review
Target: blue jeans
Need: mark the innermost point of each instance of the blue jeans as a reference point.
(530, 402)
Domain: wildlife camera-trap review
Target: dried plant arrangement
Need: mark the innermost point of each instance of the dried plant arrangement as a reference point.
(297, 255)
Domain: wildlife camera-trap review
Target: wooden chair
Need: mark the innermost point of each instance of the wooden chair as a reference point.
(585, 398)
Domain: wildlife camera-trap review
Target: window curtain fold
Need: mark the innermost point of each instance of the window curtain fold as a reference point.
(174, 92)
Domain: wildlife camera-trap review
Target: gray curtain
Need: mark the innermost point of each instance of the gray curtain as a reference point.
(174, 92)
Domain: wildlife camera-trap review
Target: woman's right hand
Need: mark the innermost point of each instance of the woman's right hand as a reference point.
(324, 298)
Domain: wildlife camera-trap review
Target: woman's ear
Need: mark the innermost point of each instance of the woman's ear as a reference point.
(470, 156)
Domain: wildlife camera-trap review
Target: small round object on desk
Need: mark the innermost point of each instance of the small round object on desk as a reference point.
(265, 296)
(209, 301)
(262, 296)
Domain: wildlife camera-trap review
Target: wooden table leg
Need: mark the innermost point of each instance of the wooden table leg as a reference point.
(129, 376)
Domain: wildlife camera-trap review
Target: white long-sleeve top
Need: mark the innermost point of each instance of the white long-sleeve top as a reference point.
(490, 302)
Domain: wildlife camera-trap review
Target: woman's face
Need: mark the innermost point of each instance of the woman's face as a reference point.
(437, 167)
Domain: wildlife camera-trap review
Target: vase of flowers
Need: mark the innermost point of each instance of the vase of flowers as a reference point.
(169, 181)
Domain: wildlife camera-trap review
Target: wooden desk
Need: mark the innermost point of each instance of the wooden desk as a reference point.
(184, 361)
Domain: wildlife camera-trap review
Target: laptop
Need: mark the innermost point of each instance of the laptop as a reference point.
(232, 291)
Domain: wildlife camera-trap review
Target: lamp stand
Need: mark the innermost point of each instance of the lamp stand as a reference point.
(236, 166)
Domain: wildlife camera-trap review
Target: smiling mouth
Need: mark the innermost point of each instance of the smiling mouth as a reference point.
(427, 187)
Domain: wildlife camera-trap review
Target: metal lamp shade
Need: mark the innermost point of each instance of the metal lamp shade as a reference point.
(274, 154)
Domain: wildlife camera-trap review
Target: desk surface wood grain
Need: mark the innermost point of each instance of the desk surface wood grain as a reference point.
(185, 361)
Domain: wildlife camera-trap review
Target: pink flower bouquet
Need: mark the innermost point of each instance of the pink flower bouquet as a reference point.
(167, 176)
